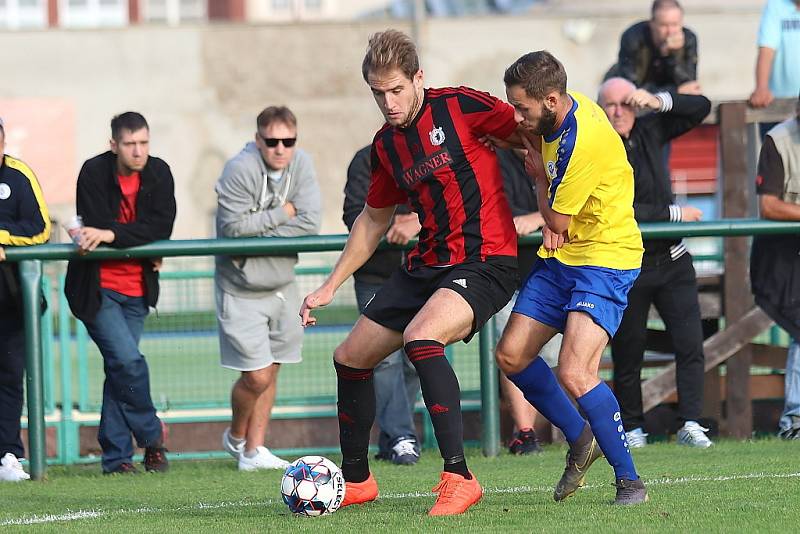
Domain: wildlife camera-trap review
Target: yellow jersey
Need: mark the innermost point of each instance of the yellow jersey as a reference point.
(591, 180)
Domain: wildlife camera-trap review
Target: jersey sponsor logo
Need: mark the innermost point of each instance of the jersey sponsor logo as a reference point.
(5, 191)
(584, 304)
(425, 168)
(436, 135)
(461, 281)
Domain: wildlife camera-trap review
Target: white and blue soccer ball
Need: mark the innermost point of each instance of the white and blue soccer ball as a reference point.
(313, 486)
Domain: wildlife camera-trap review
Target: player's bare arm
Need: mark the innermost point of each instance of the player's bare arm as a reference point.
(367, 231)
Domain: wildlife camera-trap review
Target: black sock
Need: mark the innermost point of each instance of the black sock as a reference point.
(443, 399)
(356, 411)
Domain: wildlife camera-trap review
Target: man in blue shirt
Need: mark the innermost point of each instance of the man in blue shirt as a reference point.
(778, 63)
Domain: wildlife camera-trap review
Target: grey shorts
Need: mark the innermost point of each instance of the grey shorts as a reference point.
(255, 333)
(550, 350)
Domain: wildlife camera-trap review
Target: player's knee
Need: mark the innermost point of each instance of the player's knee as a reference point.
(570, 377)
(257, 381)
(507, 361)
(343, 356)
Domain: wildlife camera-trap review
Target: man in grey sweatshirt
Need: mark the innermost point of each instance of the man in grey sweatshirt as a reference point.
(269, 189)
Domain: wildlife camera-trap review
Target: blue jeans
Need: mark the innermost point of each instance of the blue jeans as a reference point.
(791, 407)
(127, 405)
(396, 381)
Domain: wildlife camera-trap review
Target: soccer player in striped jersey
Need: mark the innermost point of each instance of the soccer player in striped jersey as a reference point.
(429, 154)
(590, 257)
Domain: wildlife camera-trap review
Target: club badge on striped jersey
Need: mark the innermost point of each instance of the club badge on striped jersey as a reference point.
(437, 136)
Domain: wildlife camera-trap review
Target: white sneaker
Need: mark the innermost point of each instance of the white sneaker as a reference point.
(11, 470)
(229, 446)
(694, 435)
(262, 460)
(637, 438)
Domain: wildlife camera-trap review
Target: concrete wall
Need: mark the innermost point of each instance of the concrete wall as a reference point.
(201, 87)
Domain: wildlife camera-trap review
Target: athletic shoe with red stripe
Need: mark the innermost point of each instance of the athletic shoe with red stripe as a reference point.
(456, 494)
(360, 492)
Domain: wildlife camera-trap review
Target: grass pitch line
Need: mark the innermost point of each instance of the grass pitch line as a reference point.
(94, 514)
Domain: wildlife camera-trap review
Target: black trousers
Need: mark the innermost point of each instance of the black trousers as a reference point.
(672, 287)
(12, 368)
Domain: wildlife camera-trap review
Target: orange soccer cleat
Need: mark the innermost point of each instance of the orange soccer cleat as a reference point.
(360, 492)
(456, 494)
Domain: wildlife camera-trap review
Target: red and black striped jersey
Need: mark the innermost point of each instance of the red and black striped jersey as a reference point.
(449, 178)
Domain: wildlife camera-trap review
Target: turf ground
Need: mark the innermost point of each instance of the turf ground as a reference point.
(734, 487)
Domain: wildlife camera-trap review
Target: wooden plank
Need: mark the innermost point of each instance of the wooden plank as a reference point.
(717, 349)
(769, 356)
(779, 110)
(737, 200)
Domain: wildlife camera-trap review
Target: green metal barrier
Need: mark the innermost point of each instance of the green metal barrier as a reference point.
(30, 267)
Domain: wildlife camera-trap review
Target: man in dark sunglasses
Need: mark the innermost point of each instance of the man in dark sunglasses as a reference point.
(268, 189)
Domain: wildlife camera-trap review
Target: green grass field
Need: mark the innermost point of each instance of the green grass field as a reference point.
(734, 487)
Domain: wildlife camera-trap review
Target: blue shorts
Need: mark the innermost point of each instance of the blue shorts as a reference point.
(554, 289)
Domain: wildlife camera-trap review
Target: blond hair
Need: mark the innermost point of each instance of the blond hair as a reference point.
(388, 50)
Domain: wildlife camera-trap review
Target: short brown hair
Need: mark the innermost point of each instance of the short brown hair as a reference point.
(388, 50)
(539, 73)
(276, 114)
(130, 120)
(663, 4)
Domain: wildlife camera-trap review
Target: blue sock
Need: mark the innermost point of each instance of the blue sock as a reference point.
(602, 409)
(540, 387)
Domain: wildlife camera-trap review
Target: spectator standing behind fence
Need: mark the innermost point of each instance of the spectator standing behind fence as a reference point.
(775, 260)
(269, 189)
(778, 61)
(521, 196)
(659, 54)
(126, 198)
(667, 279)
(23, 221)
(396, 380)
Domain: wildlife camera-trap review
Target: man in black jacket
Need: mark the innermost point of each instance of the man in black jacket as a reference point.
(659, 54)
(126, 198)
(667, 279)
(23, 221)
(396, 381)
(775, 259)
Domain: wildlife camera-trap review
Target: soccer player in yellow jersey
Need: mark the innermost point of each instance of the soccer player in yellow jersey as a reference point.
(588, 261)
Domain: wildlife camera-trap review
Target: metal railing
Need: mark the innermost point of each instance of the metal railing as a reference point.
(30, 259)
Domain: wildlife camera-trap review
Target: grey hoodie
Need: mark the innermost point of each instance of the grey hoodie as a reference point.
(249, 204)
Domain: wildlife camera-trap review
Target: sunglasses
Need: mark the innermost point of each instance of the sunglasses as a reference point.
(272, 142)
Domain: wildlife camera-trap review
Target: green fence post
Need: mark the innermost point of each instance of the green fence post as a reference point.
(81, 341)
(490, 409)
(47, 351)
(69, 447)
(31, 275)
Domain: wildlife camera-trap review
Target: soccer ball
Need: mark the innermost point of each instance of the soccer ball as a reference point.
(312, 486)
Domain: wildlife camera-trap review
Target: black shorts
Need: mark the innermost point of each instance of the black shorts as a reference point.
(486, 286)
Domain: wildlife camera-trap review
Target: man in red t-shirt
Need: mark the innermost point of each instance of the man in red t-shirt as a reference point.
(126, 198)
(429, 155)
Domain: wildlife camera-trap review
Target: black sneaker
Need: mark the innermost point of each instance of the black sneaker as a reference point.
(630, 492)
(793, 432)
(123, 469)
(524, 442)
(404, 451)
(580, 457)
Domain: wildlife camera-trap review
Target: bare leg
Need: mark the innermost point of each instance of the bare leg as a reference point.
(523, 414)
(252, 398)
